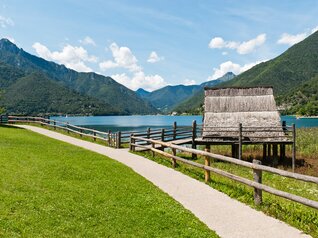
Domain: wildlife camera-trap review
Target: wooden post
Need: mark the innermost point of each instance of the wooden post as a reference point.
(294, 148)
(54, 123)
(68, 131)
(240, 142)
(153, 146)
(81, 131)
(162, 138)
(233, 151)
(109, 131)
(275, 154)
(174, 130)
(281, 151)
(194, 136)
(275, 150)
(148, 134)
(94, 136)
(162, 134)
(132, 141)
(284, 126)
(264, 151)
(118, 144)
(257, 174)
(207, 162)
(269, 151)
(174, 162)
(1, 119)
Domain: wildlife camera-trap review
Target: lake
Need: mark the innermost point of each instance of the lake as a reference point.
(129, 123)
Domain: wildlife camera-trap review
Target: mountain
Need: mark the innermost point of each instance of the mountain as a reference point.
(36, 94)
(164, 99)
(194, 103)
(287, 71)
(303, 100)
(104, 89)
(293, 75)
(142, 92)
(167, 98)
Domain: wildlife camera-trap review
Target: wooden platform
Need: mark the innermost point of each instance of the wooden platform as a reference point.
(176, 142)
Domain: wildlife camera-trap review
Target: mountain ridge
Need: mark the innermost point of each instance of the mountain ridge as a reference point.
(168, 97)
(100, 87)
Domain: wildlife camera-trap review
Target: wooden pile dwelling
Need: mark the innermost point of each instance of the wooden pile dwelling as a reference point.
(236, 116)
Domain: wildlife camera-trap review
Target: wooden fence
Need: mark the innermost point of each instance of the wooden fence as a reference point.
(113, 139)
(255, 166)
(110, 139)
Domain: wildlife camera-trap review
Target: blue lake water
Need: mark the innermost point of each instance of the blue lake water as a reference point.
(129, 123)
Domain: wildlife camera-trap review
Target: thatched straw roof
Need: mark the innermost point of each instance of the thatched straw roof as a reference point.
(254, 107)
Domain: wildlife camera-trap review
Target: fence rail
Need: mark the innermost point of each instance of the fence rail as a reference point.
(110, 139)
(255, 166)
(113, 139)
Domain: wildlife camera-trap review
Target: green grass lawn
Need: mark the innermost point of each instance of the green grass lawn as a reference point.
(53, 189)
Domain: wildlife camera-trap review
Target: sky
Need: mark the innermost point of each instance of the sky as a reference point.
(150, 44)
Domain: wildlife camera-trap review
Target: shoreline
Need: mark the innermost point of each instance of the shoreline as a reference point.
(306, 117)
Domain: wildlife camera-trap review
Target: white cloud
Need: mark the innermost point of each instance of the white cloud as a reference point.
(248, 46)
(289, 39)
(153, 57)
(188, 82)
(229, 66)
(219, 43)
(6, 21)
(123, 57)
(140, 80)
(88, 41)
(107, 65)
(241, 48)
(225, 53)
(71, 56)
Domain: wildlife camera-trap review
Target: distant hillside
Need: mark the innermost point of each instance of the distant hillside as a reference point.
(36, 94)
(302, 100)
(104, 89)
(194, 103)
(290, 73)
(164, 99)
(142, 93)
(286, 72)
(167, 98)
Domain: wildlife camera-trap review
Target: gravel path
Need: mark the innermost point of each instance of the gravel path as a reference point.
(228, 217)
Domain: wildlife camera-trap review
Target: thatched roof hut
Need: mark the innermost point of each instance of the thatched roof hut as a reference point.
(253, 107)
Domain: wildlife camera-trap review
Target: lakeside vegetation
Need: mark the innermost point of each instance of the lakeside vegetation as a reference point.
(53, 189)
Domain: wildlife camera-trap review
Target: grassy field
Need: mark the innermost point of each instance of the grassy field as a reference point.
(297, 215)
(52, 189)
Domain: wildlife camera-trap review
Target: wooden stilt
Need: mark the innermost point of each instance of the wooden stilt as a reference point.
(207, 162)
(269, 151)
(275, 154)
(233, 150)
(264, 151)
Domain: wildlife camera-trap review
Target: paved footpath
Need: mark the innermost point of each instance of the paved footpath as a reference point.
(227, 217)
